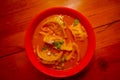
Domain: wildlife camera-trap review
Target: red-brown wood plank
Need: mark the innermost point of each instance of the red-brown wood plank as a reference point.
(18, 67)
(16, 15)
(107, 35)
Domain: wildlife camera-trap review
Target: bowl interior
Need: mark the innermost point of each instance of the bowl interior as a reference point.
(29, 47)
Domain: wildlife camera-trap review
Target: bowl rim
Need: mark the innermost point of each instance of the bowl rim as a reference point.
(29, 35)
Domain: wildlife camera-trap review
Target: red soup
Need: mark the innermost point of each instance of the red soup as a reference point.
(60, 42)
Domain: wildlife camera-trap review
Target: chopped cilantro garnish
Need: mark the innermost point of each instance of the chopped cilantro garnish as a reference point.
(55, 43)
(61, 42)
(58, 44)
(76, 21)
(45, 47)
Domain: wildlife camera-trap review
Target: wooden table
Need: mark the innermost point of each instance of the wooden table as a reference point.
(15, 15)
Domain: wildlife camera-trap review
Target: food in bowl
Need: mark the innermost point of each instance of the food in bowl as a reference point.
(60, 41)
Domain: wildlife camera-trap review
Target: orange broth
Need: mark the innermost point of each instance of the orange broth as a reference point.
(38, 40)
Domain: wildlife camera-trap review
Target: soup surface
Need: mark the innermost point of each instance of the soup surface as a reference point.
(60, 42)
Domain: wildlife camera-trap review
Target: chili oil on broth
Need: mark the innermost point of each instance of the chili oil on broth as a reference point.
(60, 42)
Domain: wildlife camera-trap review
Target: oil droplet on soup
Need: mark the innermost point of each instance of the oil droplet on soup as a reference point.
(60, 42)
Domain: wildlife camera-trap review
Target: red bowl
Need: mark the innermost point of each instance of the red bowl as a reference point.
(33, 58)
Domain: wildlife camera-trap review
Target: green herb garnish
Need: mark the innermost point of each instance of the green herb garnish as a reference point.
(45, 47)
(61, 42)
(58, 44)
(76, 21)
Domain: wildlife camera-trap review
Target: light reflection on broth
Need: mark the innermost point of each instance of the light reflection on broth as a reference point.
(60, 42)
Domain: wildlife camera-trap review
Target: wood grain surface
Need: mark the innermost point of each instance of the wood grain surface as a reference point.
(15, 16)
